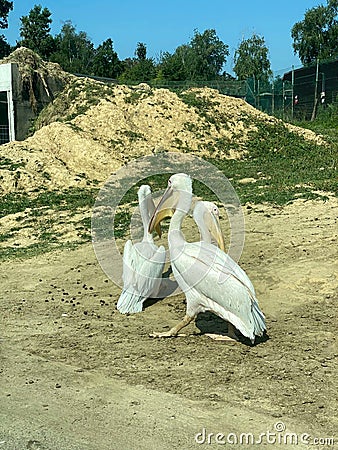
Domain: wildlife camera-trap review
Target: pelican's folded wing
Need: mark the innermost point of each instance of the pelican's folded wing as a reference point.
(212, 278)
(142, 274)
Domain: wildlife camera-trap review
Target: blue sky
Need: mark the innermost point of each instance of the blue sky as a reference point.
(163, 26)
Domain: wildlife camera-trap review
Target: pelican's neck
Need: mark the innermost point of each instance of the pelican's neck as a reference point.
(205, 234)
(146, 235)
(203, 229)
(145, 217)
(175, 235)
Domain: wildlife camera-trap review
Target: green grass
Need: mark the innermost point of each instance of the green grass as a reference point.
(69, 199)
(36, 249)
(285, 165)
(8, 164)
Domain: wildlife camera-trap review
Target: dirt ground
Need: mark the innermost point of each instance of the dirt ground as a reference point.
(76, 374)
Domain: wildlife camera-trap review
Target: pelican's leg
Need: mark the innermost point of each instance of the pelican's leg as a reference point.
(174, 331)
(232, 332)
(230, 336)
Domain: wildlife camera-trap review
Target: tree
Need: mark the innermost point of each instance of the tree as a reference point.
(5, 8)
(35, 31)
(140, 69)
(201, 59)
(141, 51)
(251, 59)
(75, 52)
(209, 55)
(317, 35)
(173, 66)
(106, 62)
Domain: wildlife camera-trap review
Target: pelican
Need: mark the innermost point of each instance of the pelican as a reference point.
(206, 216)
(143, 262)
(210, 279)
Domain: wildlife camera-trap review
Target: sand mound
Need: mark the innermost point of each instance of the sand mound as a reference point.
(91, 129)
(30, 63)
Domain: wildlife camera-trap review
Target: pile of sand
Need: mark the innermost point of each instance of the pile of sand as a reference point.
(91, 129)
(31, 64)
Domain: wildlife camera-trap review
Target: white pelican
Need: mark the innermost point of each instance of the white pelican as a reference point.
(210, 279)
(206, 216)
(142, 263)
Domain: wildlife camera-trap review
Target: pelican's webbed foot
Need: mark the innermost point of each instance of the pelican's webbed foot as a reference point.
(165, 334)
(173, 332)
(230, 336)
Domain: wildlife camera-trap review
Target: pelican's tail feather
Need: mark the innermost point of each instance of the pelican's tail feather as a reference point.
(259, 319)
(130, 302)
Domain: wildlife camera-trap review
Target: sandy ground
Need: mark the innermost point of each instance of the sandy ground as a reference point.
(76, 374)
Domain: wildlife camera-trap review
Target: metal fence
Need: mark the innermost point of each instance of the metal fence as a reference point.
(291, 93)
(4, 134)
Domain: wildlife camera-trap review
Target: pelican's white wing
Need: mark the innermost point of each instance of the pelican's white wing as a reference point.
(212, 281)
(143, 265)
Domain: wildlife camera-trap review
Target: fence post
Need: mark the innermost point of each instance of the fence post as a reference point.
(283, 99)
(292, 89)
(313, 116)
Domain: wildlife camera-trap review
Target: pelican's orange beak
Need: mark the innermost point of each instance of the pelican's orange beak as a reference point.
(214, 226)
(164, 209)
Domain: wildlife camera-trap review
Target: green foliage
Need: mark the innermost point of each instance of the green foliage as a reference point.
(5, 8)
(210, 55)
(140, 69)
(106, 62)
(143, 70)
(251, 59)
(201, 59)
(75, 52)
(35, 31)
(173, 67)
(5, 48)
(317, 35)
(141, 51)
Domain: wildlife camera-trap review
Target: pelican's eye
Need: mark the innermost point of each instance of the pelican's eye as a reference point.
(169, 183)
(216, 211)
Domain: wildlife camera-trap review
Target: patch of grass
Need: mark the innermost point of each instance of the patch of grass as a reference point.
(46, 175)
(121, 223)
(285, 165)
(68, 199)
(8, 164)
(202, 105)
(5, 236)
(133, 97)
(132, 135)
(199, 102)
(138, 94)
(36, 249)
(73, 126)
